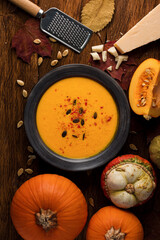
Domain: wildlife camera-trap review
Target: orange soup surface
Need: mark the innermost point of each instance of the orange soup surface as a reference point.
(77, 117)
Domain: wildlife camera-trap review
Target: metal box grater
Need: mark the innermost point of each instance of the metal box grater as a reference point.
(58, 25)
(65, 29)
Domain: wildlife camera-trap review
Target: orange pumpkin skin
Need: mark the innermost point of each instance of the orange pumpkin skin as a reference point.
(54, 192)
(110, 216)
(144, 90)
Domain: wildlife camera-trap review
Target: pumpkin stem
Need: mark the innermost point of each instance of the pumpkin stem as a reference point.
(47, 219)
(130, 188)
(115, 234)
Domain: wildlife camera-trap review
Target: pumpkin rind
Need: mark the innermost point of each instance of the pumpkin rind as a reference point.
(110, 216)
(54, 192)
(144, 89)
(128, 181)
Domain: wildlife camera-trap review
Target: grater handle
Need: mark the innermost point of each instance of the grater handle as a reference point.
(29, 7)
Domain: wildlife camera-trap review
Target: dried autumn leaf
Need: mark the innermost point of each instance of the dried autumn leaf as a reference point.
(125, 71)
(23, 41)
(96, 14)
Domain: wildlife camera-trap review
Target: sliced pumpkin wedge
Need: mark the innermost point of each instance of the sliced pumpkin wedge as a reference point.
(144, 90)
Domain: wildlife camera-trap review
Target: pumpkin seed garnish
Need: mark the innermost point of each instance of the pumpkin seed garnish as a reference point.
(81, 110)
(82, 122)
(76, 120)
(95, 115)
(74, 102)
(68, 111)
(64, 133)
(83, 136)
(74, 136)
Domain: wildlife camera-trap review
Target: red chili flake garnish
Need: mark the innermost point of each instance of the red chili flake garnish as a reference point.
(68, 99)
(78, 126)
(60, 105)
(65, 105)
(78, 97)
(55, 90)
(101, 113)
(85, 103)
(95, 124)
(108, 119)
(102, 107)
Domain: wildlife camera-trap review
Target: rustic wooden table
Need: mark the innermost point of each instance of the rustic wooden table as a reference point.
(13, 141)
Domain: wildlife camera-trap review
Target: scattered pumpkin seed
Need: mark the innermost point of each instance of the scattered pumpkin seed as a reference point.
(91, 201)
(54, 62)
(30, 149)
(133, 132)
(40, 60)
(30, 161)
(19, 124)
(82, 122)
(81, 110)
(74, 102)
(89, 172)
(133, 147)
(95, 115)
(20, 83)
(65, 53)
(76, 120)
(68, 111)
(74, 136)
(37, 41)
(64, 133)
(59, 55)
(28, 170)
(32, 156)
(24, 93)
(52, 39)
(20, 172)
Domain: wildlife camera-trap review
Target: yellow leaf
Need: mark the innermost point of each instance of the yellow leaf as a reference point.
(96, 14)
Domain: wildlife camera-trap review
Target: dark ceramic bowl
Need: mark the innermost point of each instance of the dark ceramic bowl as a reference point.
(115, 90)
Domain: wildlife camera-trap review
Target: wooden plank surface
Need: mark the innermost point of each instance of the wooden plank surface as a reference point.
(13, 141)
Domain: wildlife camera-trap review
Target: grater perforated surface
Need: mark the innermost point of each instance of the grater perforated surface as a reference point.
(65, 29)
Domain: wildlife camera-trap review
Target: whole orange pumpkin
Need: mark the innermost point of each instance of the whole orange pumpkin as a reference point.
(49, 207)
(113, 223)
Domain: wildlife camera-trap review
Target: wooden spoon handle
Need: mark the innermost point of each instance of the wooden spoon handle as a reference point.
(28, 6)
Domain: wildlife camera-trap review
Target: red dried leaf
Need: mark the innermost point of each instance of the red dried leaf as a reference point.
(23, 41)
(125, 71)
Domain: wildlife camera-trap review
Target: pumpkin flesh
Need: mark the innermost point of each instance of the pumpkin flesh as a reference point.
(144, 90)
(54, 192)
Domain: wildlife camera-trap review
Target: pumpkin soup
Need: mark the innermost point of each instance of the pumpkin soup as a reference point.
(77, 117)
